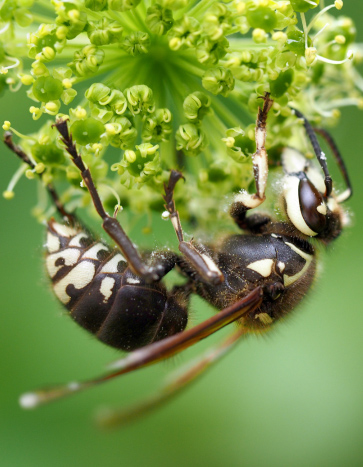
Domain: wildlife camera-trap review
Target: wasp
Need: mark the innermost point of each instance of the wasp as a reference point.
(254, 278)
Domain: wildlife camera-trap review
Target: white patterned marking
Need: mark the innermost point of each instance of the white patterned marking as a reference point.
(288, 280)
(111, 266)
(130, 280)
(76, 241)
(106, 288)
(64, 230)
(262, 267)
(80, 276)
(291, 193)
(70, 256)
(53, 243)
(92, 252)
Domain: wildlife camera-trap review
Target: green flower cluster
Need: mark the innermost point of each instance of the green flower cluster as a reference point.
(172, 83)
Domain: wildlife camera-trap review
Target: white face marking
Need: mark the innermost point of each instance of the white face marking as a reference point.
(293, 161)
(53, 243)
(92, 252)
(281, 266)
(316, 178)
(322, 209)
(288, 280)
(80, 276)
(210, 263)
(291, 194)
(64, 230)
(130, 280)
(111, 266)
(76, 241)
(263, 267)
(106, 288)
(70, 256)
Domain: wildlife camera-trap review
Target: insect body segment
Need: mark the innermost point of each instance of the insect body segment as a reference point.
(104, 296)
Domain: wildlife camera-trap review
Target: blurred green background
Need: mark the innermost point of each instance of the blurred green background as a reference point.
(294, 397)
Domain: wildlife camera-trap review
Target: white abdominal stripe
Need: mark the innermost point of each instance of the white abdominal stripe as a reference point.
(81, 263)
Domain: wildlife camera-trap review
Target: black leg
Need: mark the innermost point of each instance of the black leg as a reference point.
(8, 140)
(318, 152)
(338, 157)
(201, 262)
(110, 224)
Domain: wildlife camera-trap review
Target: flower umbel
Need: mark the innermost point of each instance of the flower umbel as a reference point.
(172, 83)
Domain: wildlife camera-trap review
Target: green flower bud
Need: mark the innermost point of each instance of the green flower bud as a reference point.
(136, 43)
(87, 131)
(116, 100)
(96, 5)
(239, 145)
(121, 132)
(190, 139)
(301, 6)
(87, 61)
(158, 19)
(61, 73)
(39, 69)
(68, 95)
(69, 16)
(49, 154)
(140, 100)
(96, 92)
(122, 5)
(210, 52)
(103, 32)
(158, 126)
(262, 17)
(218, 81)
(140, 165)
(217, 21)
(43, 41)
(47, 89)
(281, 84)
(196, 106)
(101, 114)
(185, 33)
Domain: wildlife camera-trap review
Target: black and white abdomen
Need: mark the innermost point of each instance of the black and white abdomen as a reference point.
(102, 294)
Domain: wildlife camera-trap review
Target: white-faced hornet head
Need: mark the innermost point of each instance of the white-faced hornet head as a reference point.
(311, 205)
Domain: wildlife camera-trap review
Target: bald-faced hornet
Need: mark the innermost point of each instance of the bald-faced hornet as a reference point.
(255, 278)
